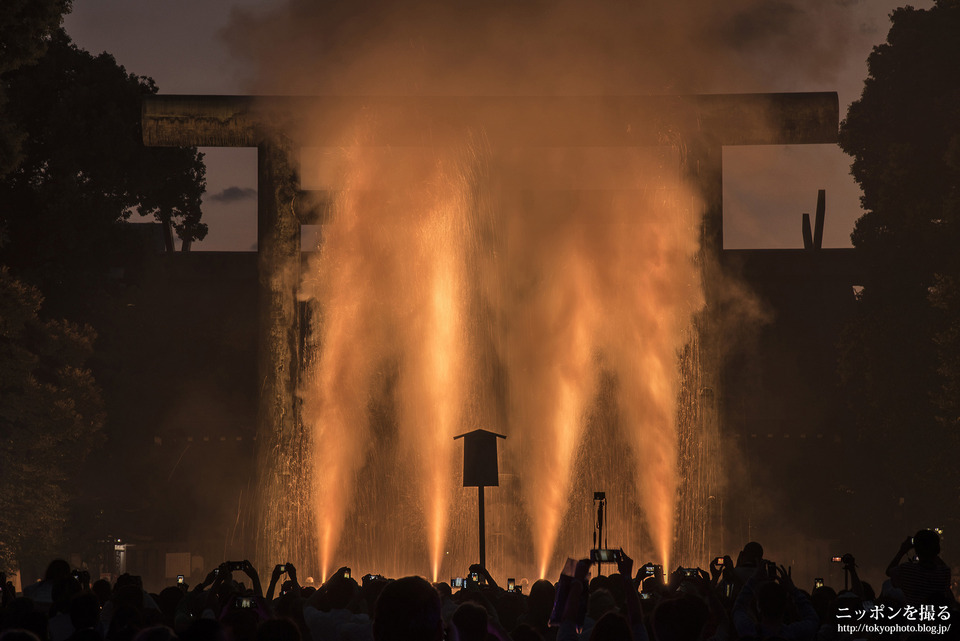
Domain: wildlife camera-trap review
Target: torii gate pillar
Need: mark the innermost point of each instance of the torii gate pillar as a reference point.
(283, 527)
(282, 517)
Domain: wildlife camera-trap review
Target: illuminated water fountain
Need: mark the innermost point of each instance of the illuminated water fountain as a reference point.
(547, 294)
(532, 266)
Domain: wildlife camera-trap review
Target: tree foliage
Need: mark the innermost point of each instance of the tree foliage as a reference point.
(904, 135)
(84, 169)
(73, 169)
(901, 361)
(25, 29)
(50, 417)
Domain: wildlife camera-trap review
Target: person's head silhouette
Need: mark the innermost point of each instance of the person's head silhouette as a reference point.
(926, 543)
(751, 555)
(408, 609)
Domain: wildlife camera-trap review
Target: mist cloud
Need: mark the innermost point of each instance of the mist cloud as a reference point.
(430, 47)
(387, 291)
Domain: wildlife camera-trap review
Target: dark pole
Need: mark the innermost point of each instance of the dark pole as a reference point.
(483, 547)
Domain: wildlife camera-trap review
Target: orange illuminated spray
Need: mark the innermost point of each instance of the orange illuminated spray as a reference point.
(606, 284)
(644, 338)
(390, 285)
(343, 286)
(581, 288)
(552, 377)
(435, 372)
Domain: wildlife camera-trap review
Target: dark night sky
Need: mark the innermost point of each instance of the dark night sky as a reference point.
(180, 44)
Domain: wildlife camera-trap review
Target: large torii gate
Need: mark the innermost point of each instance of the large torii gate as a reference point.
(700, 125)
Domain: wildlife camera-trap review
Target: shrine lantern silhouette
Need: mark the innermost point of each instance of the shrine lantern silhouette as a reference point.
(480, 470)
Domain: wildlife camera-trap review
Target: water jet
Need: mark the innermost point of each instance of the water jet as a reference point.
(603, 378)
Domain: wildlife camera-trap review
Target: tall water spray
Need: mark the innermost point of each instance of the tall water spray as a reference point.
(544, 293)
(389, 290)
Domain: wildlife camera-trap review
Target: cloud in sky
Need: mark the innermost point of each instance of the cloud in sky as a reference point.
(233, 194)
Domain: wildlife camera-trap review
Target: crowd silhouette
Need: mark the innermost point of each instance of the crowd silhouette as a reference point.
(751, 598)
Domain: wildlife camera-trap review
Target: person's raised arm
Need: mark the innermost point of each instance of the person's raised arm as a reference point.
(805, 610)
(251, 572)
(316, 599)
(850, 566)
(570, 619)
(895, 561)
(278, 571)
(625, 568)
(216, 577)
(716, 572)
(722, 571)
(292, 573)
(479, 569)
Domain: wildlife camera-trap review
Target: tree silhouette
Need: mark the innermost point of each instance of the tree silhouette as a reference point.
(50, 417)
(83, 170)
(25, 27)
(901, 359)
(72, 169)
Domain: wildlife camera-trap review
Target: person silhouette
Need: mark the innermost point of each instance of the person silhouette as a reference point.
(408, 609)
(926, 580)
